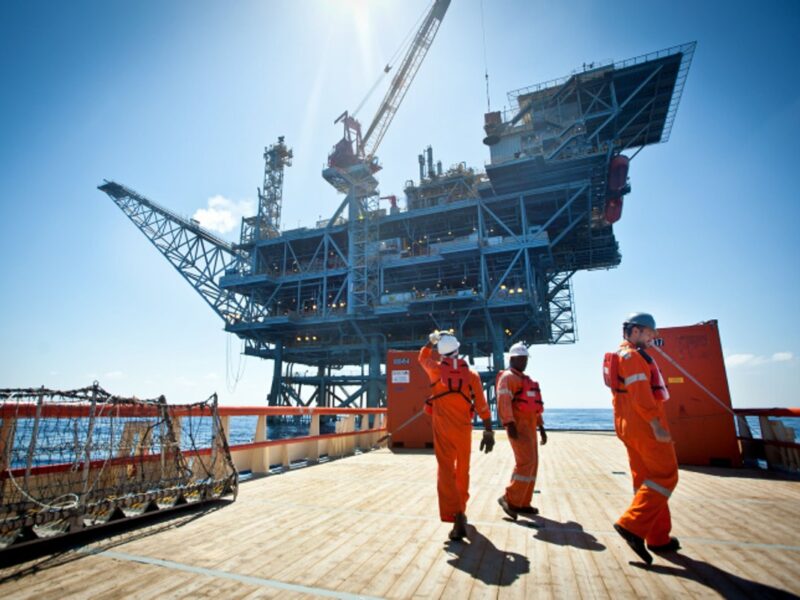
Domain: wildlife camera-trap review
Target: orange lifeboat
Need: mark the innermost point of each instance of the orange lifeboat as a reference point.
(613, 210)
(617, 187)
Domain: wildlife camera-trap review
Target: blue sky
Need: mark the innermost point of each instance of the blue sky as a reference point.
(178, 100)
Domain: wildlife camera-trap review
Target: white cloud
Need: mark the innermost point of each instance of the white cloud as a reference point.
(752, 360)
(735, 360)
(113, 375)
(224, 215)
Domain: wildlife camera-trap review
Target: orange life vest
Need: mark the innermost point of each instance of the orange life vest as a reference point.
(613, 380)
(455, 374)
(529, 397)
(611, 375)
(660, 391)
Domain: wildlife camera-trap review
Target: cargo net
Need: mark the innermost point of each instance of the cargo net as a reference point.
(81, 458)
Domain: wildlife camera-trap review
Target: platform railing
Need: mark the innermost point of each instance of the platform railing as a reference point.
(263, 454)
(258, 456)
(777, 446)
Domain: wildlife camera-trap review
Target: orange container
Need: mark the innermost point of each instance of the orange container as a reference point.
(702, 426)
(407, 388)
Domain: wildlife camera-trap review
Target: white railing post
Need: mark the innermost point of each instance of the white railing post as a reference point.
(313, 431)
(261, 459)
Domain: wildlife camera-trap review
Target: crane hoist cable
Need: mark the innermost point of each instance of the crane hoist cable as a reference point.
(485, 61)
(401, 50)
(233, 376)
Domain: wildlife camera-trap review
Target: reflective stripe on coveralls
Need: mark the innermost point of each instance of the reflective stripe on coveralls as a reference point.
(635, 377)
(452, 434)
(658, 488)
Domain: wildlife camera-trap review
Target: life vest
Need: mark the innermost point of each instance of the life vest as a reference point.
(657, 384)
(613, 380)
(455, 374)
(529, 397)
(611, 375)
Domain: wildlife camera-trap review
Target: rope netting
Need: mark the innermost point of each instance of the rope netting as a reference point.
(80, 458)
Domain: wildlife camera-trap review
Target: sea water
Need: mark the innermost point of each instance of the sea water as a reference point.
(242, 429)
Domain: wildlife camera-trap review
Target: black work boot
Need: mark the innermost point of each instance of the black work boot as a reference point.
(635, 542)
(673, 545)
(511, 511)
(527, 510)
(459, 531)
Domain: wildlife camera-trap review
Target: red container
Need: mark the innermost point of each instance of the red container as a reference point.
(699, 409)
(407, 388)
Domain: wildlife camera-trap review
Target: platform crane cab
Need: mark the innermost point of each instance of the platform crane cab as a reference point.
(352, 162)
(348, 151)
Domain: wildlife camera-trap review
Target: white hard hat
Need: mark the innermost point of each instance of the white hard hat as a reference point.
(447, 344)
(518, 349)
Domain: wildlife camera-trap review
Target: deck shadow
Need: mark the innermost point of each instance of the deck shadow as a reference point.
(481, 559)
(568, 533)
(722, 582)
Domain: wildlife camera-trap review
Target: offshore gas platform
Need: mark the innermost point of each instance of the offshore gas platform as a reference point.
(490, 254)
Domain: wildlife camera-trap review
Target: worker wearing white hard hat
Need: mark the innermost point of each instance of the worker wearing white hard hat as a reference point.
(456, 393)
(519, 407)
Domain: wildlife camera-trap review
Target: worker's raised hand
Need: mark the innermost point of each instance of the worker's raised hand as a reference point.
(434, 337)
(487, 442)
(511, 430)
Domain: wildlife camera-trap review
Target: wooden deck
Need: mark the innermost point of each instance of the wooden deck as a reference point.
(367, 526)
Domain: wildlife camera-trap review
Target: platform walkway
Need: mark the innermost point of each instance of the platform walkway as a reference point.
(367, 526)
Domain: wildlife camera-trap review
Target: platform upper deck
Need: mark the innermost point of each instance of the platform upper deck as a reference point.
(368, 526)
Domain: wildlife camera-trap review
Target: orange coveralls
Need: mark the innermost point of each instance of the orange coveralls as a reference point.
(526, 447)
(452, 434)
(654, 465)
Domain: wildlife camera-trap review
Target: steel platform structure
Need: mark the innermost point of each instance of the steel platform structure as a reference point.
(490, 255)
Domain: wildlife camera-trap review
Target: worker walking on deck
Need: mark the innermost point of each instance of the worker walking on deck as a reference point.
(456, 393)
(640, 422)
(520, 407)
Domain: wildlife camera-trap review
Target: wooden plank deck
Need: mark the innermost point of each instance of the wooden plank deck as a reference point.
(367, 526)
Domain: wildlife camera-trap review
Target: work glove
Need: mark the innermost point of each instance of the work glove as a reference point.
(543, 433)
(487, 443)
(511, 430)
(433, 338)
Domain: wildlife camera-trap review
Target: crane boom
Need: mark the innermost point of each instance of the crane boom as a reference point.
(197, 254)
(403, 78)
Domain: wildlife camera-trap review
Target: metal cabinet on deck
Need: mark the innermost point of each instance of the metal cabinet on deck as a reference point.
(407, 388)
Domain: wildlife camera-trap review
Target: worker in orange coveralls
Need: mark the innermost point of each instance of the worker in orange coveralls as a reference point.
(456, 393)
(640, 422)
(520, 407)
